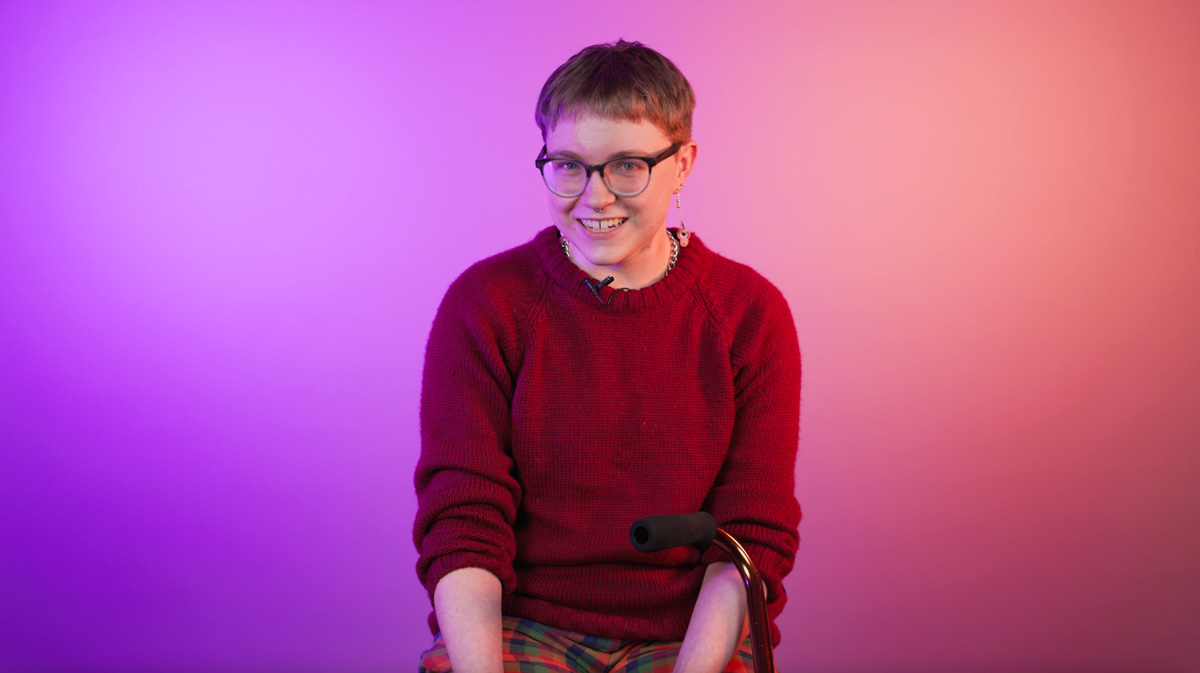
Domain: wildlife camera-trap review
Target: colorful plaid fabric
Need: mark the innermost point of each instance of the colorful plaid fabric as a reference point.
(530, 647)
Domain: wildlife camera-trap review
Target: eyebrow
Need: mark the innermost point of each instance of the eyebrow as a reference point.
(568, 154)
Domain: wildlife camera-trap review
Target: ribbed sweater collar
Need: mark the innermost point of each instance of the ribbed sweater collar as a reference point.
(691, 266)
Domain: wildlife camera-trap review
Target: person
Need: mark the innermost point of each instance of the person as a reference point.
(609, 369)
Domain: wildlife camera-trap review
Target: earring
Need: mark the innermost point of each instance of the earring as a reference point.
(683, 234)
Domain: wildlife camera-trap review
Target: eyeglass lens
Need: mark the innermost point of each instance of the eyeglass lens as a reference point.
(623, 177)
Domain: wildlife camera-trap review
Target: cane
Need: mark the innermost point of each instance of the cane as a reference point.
(655, 533)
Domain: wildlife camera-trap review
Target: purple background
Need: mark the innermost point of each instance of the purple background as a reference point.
(225, 228)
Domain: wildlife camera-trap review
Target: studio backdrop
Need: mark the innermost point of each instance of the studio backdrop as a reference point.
(225, 228)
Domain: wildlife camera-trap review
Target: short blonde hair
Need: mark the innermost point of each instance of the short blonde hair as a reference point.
(622, 80)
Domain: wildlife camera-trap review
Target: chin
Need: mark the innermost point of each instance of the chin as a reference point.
(609, 255)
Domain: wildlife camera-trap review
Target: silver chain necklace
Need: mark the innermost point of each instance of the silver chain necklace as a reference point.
(566, 246)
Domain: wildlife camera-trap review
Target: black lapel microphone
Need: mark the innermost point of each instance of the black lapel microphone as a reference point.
(596, 287)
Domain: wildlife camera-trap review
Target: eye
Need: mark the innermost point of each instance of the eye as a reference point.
(566, 166)
(626, 167)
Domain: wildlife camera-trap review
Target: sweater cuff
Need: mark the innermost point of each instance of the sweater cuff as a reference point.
(444, 565)
(770, 564)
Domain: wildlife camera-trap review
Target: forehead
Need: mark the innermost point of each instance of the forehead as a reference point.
(597, 137)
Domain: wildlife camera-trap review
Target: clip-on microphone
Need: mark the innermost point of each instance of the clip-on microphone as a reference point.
(596, 287)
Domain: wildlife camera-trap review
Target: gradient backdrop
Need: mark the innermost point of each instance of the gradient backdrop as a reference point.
(225, 228)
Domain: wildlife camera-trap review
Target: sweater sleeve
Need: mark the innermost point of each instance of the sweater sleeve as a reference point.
(753, 498)
(467, 497)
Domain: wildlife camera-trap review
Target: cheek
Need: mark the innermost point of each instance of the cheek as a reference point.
(655, 207)
(559, 207)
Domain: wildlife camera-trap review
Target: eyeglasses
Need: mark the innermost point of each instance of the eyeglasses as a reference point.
(624, 176)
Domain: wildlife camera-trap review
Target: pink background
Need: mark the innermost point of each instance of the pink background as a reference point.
(225, 227)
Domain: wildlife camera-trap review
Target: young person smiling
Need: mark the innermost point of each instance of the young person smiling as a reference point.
(610, 235)
(609, 369)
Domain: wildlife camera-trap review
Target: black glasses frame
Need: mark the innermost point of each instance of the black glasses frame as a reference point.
(651, 162)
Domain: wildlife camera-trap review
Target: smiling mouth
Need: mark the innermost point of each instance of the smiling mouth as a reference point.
(602, 225)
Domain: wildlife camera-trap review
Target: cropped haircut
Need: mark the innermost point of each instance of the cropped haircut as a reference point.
(622, 80)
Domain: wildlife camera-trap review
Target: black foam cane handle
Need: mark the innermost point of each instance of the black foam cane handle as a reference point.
(656, 533)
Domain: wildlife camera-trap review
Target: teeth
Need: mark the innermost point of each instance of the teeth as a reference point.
(602, 225)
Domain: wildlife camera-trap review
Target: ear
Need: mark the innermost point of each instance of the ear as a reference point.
(687, 159)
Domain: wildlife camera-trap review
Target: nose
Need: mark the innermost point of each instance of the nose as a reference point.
(596, 194)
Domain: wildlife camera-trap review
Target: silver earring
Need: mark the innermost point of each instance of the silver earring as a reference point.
(684, 235)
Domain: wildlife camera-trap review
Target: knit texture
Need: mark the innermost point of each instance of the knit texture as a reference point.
(551, 422)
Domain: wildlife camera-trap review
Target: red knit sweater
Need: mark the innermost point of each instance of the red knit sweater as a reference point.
(550, 422)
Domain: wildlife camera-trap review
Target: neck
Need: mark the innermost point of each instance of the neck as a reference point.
(649, 267)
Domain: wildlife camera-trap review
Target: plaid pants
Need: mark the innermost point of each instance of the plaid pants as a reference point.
(530, 647)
